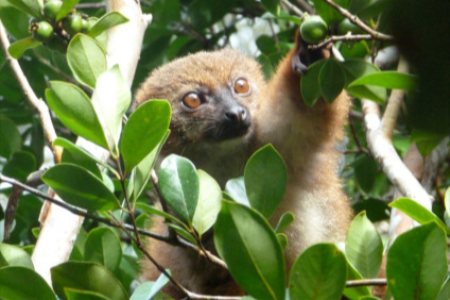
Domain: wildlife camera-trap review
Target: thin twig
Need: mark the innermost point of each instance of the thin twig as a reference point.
(38, 104)
(346, 38)
(355, 20)
(293, 8)
(87, 6)
(305, 6)
(366, 282)
(355, 137)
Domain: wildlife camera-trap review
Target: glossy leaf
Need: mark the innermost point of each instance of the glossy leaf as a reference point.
(444, 294)
(73, 294)
(21, 164)
(265, 177)
(74, 108)
(148, 290)
(145, 129)
(283, 240)
(18, 48)
(12, 289)
(86, 276)
(331, 80)
(115, 98)
(318, 273)
(286, 219)
(417, 263)
(309, 83)
(67, 6)
(249, 246)
(179, 185)
(235, 188)
(388, 79)
(14, 256)
(271, 5)
(78, 156)
(181, 231)
(364, 247)
(418, 212)
(142, 172)
(30, 7)
(209, 203)
(356, 68)
(106, 22)
(103, 246)
(86, 59)
(11, 139)
(355, 293)
(80, 187)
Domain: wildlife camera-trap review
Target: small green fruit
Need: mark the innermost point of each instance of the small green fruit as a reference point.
(346, 26)
(43, 31)
(52, 8)
(72, 24)
(313, 29)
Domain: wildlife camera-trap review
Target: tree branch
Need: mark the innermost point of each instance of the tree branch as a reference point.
(355, 20)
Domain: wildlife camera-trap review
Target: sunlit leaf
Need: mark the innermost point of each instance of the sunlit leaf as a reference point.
(67, 6)
(286, 219)
(235, 188)
(388, 79)
(106, 22)
(30, 7)
(74, 108)
(179, 185)
(148, 290)
(103, 246)
(73, 294)
(14, 256)
(86, 59)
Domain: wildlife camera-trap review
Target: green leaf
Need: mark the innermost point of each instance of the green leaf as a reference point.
(286, 219)
(418, 212)
(331, 80)
(115, 98)
(271, 5)
(106, 22)
(11, 139)
(79, 187)
(265, 177)
(318, 273)
(181, 231)
(444, 294)
(426, 141)
(148, 290)
(309, 83)
(14, 256)
(12, 280)
(235, 188)
(145, 129)
(328, 13)
(73, 294)
(283, 240)
(30, 7)
(142, 172)
(364, 247)
(77, 156)
(154, 211)
(355, 293)
(74, 108)
(103, 246)
(388, 79)
(249, 246)
(209, 203)
(86, 276)
(67, 6)
(21, 164)
(17, 49)
(356, 68)
(179, 185)
(86, 59)
(417, 263)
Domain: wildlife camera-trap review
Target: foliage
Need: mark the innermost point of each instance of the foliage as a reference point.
(104, 263)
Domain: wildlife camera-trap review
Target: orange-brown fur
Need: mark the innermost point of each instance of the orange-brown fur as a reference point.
(305, 137)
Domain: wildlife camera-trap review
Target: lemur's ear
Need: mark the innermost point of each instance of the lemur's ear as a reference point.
(305, 57)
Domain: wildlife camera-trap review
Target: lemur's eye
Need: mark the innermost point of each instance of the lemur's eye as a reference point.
(241, 86)
(192, 100)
